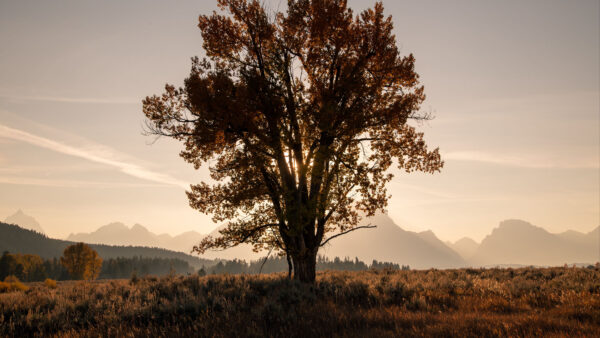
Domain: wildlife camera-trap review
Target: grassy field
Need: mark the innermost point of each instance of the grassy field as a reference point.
(467, 302)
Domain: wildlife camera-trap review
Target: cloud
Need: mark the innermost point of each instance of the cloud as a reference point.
(35, 181)
(63, 99)
(102, 156)
(522, 162)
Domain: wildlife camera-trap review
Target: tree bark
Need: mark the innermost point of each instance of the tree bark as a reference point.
(305, 268)
(290, 266)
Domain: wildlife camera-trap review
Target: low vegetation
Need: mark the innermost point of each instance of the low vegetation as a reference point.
(50, 283)
(12, 283)
(467, 302)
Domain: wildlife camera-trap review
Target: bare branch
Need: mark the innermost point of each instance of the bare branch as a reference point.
(348, 231)
(263, 263)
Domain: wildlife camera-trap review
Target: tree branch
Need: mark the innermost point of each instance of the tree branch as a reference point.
(348, 231)
(263, 263)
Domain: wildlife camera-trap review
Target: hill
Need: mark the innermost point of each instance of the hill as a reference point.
(138, 235)
(18, 240)
(519, 242)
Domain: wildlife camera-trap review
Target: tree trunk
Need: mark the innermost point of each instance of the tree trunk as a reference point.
(305, 268)
(290, 266)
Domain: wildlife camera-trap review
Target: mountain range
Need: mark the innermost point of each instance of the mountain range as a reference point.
(15, 239)
(518, 242)
(120, 234)
(388, 242)
(512, 243)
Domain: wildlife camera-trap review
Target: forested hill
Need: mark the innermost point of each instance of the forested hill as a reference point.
(18, 240)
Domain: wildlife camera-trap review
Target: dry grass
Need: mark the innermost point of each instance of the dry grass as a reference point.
(476, 303)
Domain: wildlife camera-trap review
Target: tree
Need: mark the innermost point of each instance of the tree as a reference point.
(25, 267)
(81, 261)
(299, 116)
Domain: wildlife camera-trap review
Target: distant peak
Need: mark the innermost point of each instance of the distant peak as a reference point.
(515, 224)
(114, 225)
(18, 213)
(138, 227)
(24, 221)
(380, 219)
(428, 234)
(517, 227)
(514, 221)
(466, 240)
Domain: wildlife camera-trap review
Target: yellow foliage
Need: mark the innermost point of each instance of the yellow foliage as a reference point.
(81, 261)
(50, 283)
(12, 283)
(11, 279)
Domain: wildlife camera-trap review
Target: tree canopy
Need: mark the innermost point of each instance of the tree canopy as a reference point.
(81, 261)
(299, 115)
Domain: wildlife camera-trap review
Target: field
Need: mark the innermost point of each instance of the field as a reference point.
(466, 302)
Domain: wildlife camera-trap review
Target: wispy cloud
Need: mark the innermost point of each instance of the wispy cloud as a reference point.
(44, 182)
(64, 99)
(438, 196)
(522, 162)
(102, 156)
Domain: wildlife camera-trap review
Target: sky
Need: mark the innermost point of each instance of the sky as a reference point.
(514, 87)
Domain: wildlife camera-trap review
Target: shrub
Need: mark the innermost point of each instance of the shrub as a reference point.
(134, 278)
(479, 303)
(11, 279)
(18, 286)
(12, 283)
(4, 287)
(50, 283)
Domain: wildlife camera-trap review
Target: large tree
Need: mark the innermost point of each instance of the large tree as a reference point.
(299, 115)
(81, 261)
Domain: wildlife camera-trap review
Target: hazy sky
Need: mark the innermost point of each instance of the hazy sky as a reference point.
(514, 86)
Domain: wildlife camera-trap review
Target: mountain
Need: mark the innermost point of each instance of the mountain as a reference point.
(242, 251)
(465, 247)
(519, 242)
(431, 239)
(138, 235)
(512, 243)
(388, 242)
(17, 240)
(119, 234)
(24, 221)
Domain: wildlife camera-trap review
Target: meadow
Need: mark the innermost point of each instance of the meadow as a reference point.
(465, 302)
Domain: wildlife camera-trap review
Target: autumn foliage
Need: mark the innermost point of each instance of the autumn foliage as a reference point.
(299, 115)
(81, 261)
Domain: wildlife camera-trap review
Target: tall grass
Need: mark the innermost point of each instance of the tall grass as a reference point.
(467, 302)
